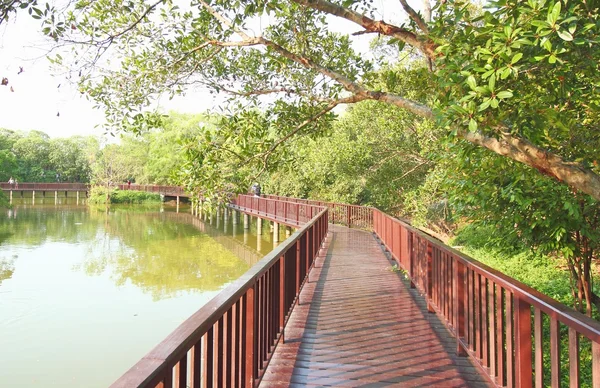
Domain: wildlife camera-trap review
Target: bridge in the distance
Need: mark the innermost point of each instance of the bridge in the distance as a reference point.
(62, 189)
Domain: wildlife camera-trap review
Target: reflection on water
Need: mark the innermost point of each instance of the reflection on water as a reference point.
(86, 292)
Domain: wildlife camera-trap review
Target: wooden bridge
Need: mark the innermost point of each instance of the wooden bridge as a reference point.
(327, 307)
(58, 187)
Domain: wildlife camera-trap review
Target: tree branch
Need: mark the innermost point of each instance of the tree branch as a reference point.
(521, 150)
(426, 46)
(415, 16)
(518, 149)
(427, 11)
(224, 20)
(136, 22)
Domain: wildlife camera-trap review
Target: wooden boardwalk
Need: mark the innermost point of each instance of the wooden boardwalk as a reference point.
(359, 324)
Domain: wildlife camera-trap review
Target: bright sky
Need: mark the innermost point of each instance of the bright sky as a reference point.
(37, 102)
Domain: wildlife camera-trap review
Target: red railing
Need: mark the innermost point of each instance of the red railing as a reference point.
(506, 326)
(27, 186)
(159, 189)
(286, 212)
(55, 186)
(230, 340)
(491, 314)
(339, 213)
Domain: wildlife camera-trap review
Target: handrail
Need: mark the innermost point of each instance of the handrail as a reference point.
(340, 213)
(489, 313)
(286, 212)
(27, 186)
(57, 186)
(161, 189)
(229, 341)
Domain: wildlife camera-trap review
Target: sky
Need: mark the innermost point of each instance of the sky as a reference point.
(40, 100)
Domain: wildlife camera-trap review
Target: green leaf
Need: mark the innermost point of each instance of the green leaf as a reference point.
(471, 82)
(472, 125)
(484, 105)
(492, 83)
(565, 35)
(494, 103)
(516, 58)
(553, 13)
(504, 94)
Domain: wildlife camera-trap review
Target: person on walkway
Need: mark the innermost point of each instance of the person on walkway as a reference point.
(11, 181)
(16, 184)
(128, 184)
(256, 189)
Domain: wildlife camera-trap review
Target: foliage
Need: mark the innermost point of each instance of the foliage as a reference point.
(98, 195)
(112, 166)
(542, 272)
(34, 157)
(528, 209)
(375, 154)
(517, 78)
(4, 200)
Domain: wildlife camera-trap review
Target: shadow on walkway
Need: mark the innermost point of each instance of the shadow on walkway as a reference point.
(359, 324)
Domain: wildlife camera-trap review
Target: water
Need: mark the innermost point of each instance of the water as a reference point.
(85, 293)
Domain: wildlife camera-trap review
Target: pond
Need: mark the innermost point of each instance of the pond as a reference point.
(85, 292)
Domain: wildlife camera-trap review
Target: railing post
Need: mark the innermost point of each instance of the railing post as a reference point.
(411, 257)
(251, 345)
(429, 275)
(459, 305)
(348, 218)
(282, 296)
(524, 373)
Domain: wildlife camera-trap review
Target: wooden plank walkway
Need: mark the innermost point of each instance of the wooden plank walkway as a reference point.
(359, 324)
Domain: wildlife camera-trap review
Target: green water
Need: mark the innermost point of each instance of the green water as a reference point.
(86, 292)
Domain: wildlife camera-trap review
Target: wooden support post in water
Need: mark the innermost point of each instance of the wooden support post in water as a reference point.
(275, 232)
(178, 204)
(258, 242)
(246, 221)
(259, 225)
(236, 217)
(33, 197)
(55, 197)
(10, 197)
(76, 192)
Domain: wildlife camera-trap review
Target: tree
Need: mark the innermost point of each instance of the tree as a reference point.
(70, 157)
(375, 154)
(529, 210)
(111, 166)
(32, 152)
(518, 80)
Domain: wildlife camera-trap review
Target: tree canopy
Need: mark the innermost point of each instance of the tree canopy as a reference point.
(517, 78)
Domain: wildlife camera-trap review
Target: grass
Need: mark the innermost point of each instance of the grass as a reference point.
(544, 273)
(98, 196)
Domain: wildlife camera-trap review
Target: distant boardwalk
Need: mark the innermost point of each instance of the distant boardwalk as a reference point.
(359, 324)
(173, 191)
